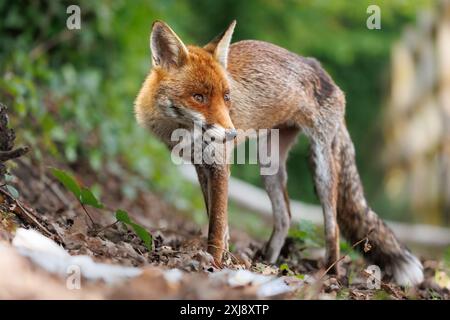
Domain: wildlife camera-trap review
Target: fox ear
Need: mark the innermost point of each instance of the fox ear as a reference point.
(167, 48)
(220, 44)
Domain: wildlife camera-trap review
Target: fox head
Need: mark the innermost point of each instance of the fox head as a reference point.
(187, 84)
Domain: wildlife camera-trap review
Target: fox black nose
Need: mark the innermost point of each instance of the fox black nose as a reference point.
(230, 134)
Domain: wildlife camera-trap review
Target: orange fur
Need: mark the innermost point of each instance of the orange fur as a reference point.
(200, 74)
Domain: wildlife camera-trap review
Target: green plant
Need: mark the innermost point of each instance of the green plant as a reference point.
(347, 249)
(305, 232)
(284, 268)
(286, 271)
(12, 190)
(87, 198)
(143, 234)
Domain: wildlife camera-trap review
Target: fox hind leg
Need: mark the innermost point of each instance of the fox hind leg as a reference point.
(276, 188)
(325, 178)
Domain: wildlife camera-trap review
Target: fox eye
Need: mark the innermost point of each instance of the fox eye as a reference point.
(226, 96)
(199, 97)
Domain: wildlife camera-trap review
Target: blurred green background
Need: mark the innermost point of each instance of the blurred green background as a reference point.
(72, 91)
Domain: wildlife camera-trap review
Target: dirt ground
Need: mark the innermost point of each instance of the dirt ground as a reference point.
(178, 243)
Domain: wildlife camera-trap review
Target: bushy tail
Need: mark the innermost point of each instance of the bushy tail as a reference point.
(356, 220)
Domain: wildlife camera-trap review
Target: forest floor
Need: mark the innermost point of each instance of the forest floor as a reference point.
(177, 267)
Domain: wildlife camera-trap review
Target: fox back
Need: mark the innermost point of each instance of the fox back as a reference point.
(258, 85)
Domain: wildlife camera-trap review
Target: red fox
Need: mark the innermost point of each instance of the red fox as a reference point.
(257, 85)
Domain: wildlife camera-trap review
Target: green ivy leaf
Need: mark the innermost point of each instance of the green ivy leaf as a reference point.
(122, 216)
(140, 231)
(87, 197)
(68, 181)
(12, 191)
(143, 234)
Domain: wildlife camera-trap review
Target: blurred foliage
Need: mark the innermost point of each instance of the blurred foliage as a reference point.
(306, 234)
(72, 91)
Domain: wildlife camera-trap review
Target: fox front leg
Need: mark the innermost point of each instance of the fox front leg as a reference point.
(218, 211)
(203, 180)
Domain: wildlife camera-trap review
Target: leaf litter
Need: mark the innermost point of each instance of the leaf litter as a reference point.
(117, 264)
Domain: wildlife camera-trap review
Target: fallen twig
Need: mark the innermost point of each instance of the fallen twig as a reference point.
(12, 154)
(106, 227)
(26, 214)
(366, 238)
